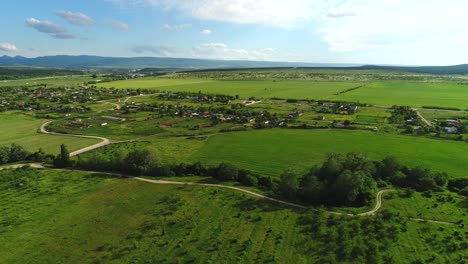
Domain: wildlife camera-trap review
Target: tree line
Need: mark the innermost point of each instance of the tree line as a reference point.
(341, 180)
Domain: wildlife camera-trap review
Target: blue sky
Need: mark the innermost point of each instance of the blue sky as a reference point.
(413, 32)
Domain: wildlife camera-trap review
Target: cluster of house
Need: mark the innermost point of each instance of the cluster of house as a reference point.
(450, 126)
(40, 98)
(337, 108)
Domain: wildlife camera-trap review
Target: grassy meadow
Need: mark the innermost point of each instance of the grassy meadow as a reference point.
(380, 93)
(272, 151)
(411, 93)
(22, 129)
(47, 213)
(245, 89)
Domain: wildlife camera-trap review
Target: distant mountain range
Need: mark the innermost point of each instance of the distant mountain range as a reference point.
(64, 61)
(80, 62)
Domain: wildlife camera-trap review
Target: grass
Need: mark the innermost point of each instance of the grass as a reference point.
(272, 151)
(50, 216)
(442, 206)
(245, 89)
(22, 129)
(410, 93)
(380, 93)
(53, 81)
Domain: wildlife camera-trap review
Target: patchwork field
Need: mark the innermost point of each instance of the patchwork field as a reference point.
(272, 151)
(52, 212)
(411, 93)
(245, 89)
(22, 129)
(381, 93)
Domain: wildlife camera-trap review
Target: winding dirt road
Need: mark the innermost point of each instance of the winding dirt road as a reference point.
(104, 141)
(372, 212)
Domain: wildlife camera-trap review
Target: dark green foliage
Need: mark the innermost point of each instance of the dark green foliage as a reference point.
(340, 239)
(63, 159)
(226, 171)
(17, 153)
(400, 114)
(289, 184)
(341, 180)
(140, 162)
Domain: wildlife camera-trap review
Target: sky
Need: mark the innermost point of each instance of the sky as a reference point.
(416, 32)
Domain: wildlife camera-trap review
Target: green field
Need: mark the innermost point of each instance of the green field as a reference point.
(441, 206)
(245, 89)
(272, 151)
(53, 81)
(380, 93)
(22, 129)
(411, 93)
(71, 217)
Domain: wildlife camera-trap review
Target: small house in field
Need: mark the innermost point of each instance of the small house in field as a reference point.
(451, 130)
(104, 124)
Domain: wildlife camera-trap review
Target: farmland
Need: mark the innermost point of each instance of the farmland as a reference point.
(245, 89)
(415, 94)
(272, 151)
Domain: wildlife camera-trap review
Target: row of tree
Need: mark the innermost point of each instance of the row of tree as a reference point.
(15, 153)
(349, 179)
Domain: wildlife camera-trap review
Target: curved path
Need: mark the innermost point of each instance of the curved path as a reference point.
(104, 141)
(372, 212)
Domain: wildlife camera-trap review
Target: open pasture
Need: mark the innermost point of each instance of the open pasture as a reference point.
(245, 89)
(22, 130)
(272, 151)
(415, 94)
(182, 224)
(388, 93)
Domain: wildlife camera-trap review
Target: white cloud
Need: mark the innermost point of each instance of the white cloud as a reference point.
(395, 25)
(162, 51)
(180, 27)
(342, 12)
(223, 52)
(118, 25)
(265, 12)
(78, 19)
(206, 32)
(8, 47)
(49, 28)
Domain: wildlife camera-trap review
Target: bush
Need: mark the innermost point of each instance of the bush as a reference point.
(227, 171)
(464, 192)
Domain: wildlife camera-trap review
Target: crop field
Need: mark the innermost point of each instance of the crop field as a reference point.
(167, 224)
(410, 93)
(380, 93)
(272, 151)
(22, 129)
(245, 89)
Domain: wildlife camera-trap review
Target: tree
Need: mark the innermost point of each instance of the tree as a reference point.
(140, 161)
(4, 154)
(63, 159)
(289, 184)
(227, 171)
(331, 168)
(17, 153)
(388, 168)
(311, 189)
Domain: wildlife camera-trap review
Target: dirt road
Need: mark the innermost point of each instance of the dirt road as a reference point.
(104, 141)
(372, 212)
